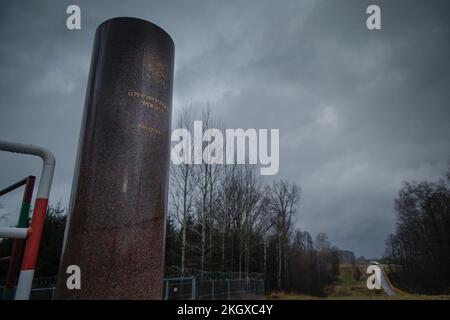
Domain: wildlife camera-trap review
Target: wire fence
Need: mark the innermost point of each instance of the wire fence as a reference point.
(204, 285)
(192, 288)
(213, 286)
(42, 289)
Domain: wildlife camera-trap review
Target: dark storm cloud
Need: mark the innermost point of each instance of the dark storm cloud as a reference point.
(359, 111)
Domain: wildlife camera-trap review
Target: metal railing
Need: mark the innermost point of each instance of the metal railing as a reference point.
(19, 243)
(33, 233)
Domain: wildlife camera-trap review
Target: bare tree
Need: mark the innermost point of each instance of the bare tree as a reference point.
(283, 198)
(420, 248)
(182, 188)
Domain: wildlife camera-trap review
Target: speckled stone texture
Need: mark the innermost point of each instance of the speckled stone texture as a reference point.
(116, 227)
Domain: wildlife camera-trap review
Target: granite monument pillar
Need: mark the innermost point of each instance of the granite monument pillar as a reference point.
(116, 224)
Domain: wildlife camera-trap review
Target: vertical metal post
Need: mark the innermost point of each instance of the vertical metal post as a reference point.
(193, 287)
(228, 291)
(166, 294)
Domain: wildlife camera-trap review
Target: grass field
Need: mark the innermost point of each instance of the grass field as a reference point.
(348, 288)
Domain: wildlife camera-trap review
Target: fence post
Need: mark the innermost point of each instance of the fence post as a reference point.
(166, 294)
(264, 287)
(212, 289)
(193, 293)
(228, 291)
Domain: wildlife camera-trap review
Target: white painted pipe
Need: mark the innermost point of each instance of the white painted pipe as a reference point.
(46, 155)
(15, 233)
(43, 192)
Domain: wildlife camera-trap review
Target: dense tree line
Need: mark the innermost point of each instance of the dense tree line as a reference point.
(419, 250)
(223, 218)
(313, 267)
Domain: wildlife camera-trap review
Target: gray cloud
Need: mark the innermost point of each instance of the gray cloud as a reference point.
(359, 111)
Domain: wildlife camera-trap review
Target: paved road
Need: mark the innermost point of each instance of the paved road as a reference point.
(386, 285)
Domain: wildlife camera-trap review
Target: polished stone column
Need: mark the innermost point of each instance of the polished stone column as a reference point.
(116, 225)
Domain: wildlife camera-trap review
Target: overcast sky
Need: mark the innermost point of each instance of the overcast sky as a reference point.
(359, 111)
